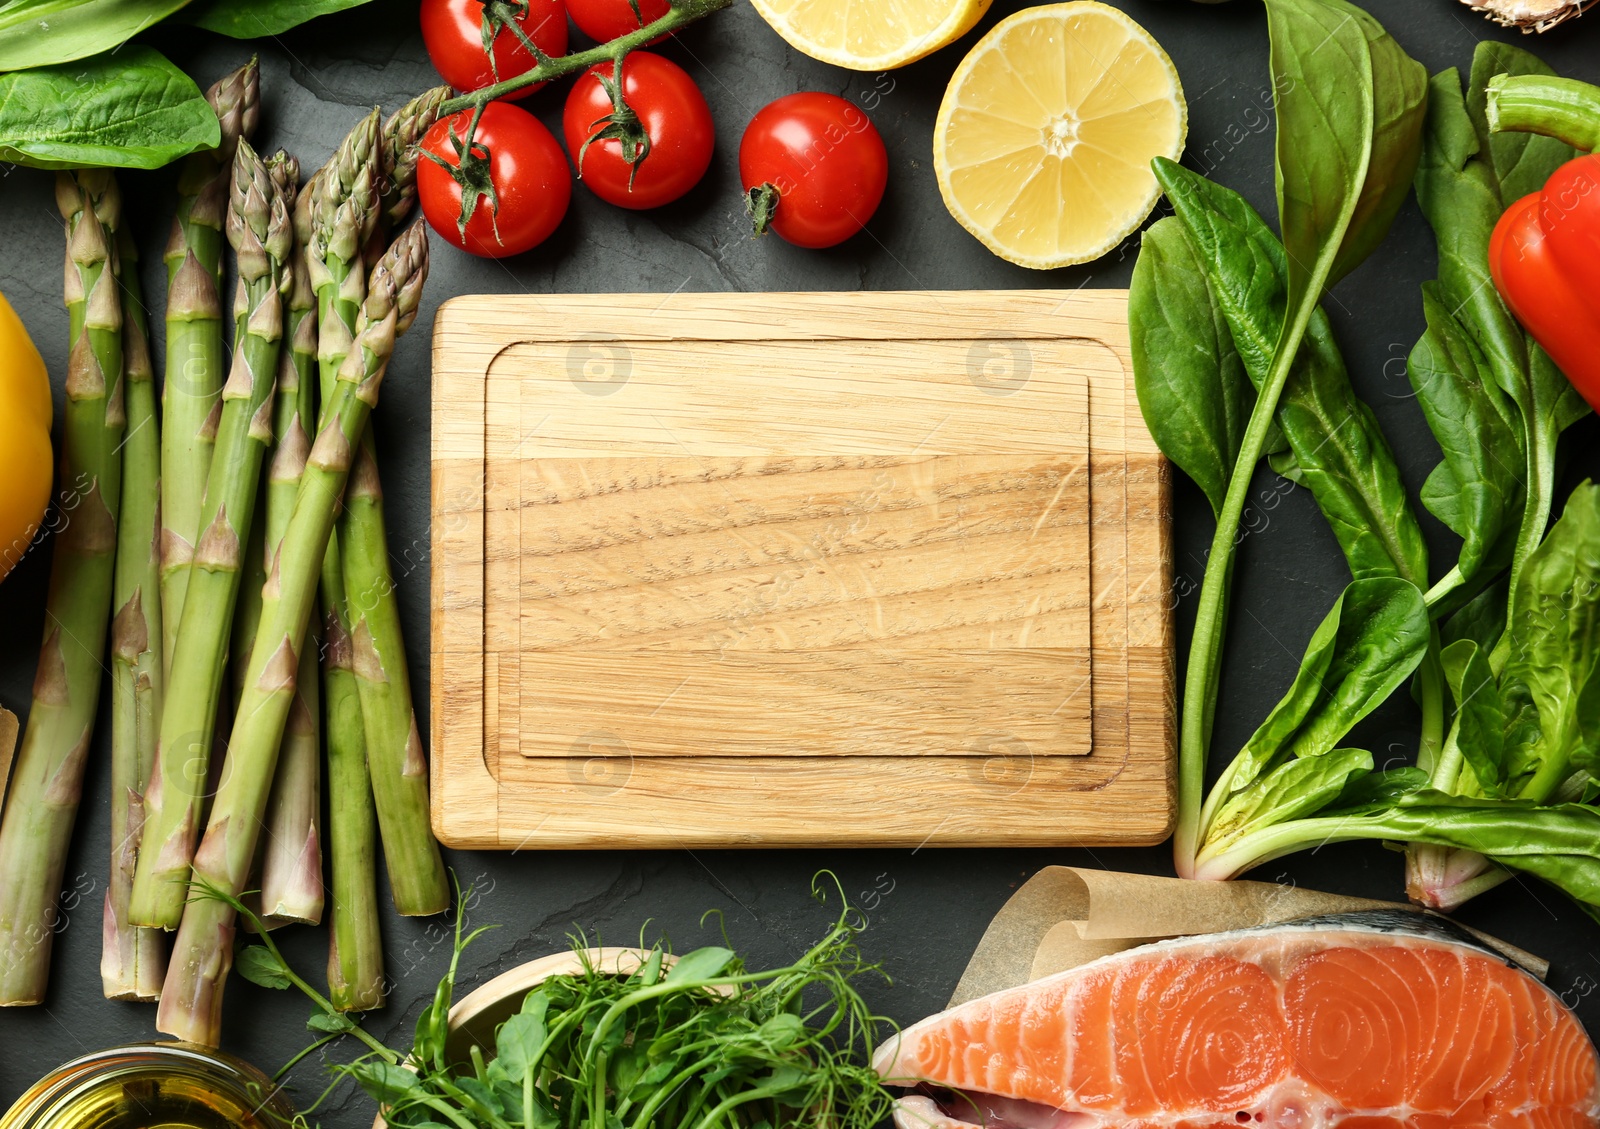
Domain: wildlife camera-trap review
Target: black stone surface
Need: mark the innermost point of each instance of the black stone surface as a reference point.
(927, 907)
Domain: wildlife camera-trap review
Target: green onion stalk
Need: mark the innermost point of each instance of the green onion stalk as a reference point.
(191, 1000)
(190, 395)
(259, 229)
(47, 778)
(344, 216)
(291, 869)
(133, 961)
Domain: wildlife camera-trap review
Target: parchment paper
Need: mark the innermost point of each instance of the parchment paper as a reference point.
(1066, 916)
(8, 749)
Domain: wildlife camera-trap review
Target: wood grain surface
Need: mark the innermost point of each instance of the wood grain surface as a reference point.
(797, 569)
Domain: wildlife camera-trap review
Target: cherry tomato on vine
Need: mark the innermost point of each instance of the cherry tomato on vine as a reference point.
(529, 172)
(672, 114)
(814, 167)
(453, 33)
(604, 20)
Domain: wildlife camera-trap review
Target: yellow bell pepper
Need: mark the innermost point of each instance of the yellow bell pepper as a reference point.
(26, 462)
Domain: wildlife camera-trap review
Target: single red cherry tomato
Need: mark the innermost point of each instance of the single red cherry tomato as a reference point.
(604, 20)
(1546, 300)
(529, 173)
(816, 168)
(452, 30)
(674, 116)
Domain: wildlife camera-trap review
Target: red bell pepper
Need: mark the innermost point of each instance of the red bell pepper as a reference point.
(1545, 260)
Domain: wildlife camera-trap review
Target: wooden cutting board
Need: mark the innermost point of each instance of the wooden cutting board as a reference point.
(797, 569)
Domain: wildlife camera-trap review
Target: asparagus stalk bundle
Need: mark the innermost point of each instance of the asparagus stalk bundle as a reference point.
(47, 778)
(194, 362)
(395, 760)
(191, 999)
(258, 227)
(133, 961)
(291, 870)
(344, 217)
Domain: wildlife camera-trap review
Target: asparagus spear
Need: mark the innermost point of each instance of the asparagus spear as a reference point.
(47, 779)
(399, 149)
(291, 871)
(355, 943)
(259, 230)
(395, 760)
(191, 999)
(285, 173)
(133, 961)
(194, 367)
(344, 216)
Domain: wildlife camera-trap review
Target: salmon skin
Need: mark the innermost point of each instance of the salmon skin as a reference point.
(1385, 1020)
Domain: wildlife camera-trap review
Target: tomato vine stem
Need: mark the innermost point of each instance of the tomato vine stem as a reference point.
(681, 14)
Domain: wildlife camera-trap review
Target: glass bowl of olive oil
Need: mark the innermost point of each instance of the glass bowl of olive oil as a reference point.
(153, 1086)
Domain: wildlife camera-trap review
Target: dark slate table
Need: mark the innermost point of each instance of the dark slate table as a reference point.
(929, 906)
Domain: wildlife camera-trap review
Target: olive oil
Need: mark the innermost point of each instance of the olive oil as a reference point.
(152, 1086)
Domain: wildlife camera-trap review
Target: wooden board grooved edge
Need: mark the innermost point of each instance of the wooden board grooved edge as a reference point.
(797, 569)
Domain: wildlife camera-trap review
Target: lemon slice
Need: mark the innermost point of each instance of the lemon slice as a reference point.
(1045, 135)
(871, 35)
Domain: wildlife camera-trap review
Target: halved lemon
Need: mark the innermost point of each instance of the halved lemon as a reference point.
(1045, 135)
(871, 35)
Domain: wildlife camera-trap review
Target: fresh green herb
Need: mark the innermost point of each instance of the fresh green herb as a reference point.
(131, 109)
(1349, 105)
(1520, 740)
(42, 33)
(1508, 673)
(1194, 393)
(1331, 442)
(1494, 399)
(1368, 645)
(251, 19)
(697, 1043)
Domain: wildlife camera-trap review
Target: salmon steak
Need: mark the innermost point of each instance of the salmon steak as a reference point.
(1384, 1020)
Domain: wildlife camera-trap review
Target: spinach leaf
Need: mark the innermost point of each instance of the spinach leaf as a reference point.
(1400, 102)
(131, 109)
(1382, 787)
(1480, 726)
(1327, 121)
(1519, 163)
(251, 19)
(1481, 619)
(1294, 789)
(42, 33)
(1459, 186)
(1328, 114)
(1554, 668)
(1368, 644)
(1191, 385)
(1341, 455)
(1240, 256)
(1456, 190)
(1477, 490)
(1337, 448)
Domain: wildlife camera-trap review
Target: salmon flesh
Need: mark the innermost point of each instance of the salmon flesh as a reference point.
(1383, 1020)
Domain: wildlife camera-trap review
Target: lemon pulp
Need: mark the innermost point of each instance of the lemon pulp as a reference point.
(1045, 136)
